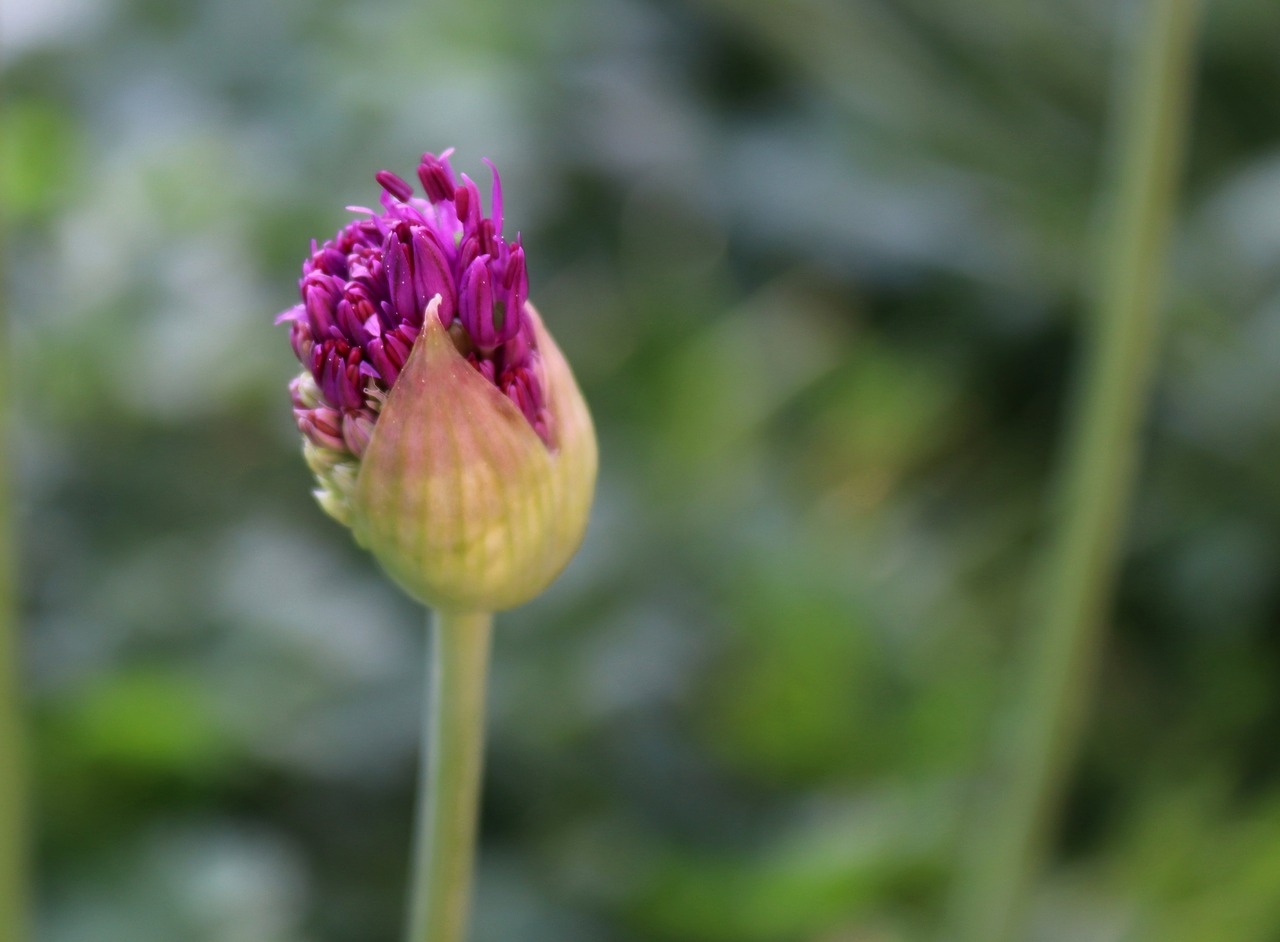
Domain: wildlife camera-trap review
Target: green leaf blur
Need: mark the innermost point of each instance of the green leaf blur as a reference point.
(818, 267)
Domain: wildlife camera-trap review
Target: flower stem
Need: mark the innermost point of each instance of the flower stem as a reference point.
(13, 805)
(449, 783)
(13, 823)
(1096, 476)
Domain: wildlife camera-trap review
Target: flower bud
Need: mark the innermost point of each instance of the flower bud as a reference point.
(440, 419)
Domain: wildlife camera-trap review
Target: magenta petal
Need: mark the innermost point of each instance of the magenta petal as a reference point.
(400, 277)
(394, 185)
(432, 274)
(437, 177)
(292, 314)
(349, 323)
(387, 370)
(517, 351)
(475, 303)
(467, 201)
(319, 300)
(513, 289)
(468, 252)
(321, 425)
(495, 200)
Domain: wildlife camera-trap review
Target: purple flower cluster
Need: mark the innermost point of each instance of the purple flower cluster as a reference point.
(364, 294)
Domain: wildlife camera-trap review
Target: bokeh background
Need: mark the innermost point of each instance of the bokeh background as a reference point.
(821, 269)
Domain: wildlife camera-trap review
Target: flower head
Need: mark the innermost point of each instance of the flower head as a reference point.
(441, 421)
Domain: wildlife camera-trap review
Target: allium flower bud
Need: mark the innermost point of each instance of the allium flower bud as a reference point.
(441, 421)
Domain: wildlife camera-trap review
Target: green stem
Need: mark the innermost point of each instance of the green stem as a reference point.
(1097, 476)
(449, 785)
(13, 814)
(13, 823)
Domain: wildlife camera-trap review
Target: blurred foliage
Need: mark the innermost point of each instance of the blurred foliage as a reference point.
(818, 266)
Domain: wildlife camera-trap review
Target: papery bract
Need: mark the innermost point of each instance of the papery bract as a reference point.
(458, 495)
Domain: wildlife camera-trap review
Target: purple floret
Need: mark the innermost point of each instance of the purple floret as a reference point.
(364, 294)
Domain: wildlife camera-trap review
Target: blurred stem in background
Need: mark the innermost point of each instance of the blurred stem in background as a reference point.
(1009, 838)
(13, 816)
(449, 783)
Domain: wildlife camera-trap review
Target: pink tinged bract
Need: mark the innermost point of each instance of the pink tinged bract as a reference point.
(458, 496)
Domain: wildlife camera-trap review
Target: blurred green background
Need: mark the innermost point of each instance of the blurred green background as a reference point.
(820, 268)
